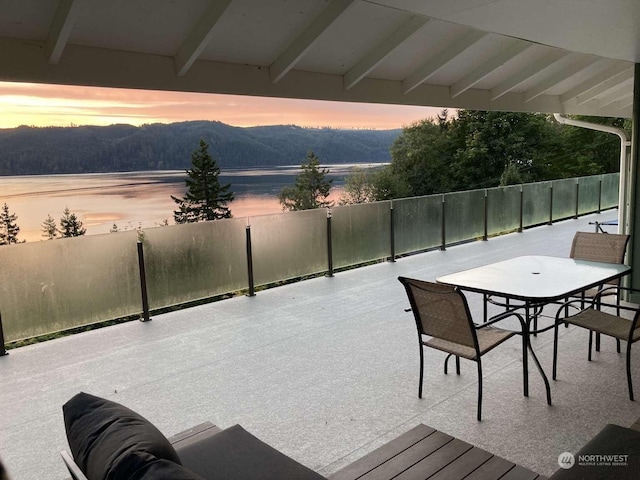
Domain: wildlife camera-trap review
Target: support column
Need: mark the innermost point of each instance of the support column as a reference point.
(634, 183)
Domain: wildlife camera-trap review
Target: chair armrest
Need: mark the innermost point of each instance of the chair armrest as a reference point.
(595, 301)
(74, 470)
(500, 317)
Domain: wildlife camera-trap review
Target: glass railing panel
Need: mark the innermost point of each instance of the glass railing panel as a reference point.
(464, 216)
(564, 198)
(588, 194)
(190, 262)
(360, 233)
(56, 285)
(417, 223)
(536, 203)
(610, 190)
(503, 209)
(289, 245)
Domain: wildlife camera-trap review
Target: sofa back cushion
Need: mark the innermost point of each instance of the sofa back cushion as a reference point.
(110, 441)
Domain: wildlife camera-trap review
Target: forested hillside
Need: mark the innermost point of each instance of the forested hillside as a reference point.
(83, 149)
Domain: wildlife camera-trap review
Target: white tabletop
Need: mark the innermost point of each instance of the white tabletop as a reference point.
(535, 278)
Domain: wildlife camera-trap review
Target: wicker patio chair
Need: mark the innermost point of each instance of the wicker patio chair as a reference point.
(599, 247)
(596, 320)
(444, 322)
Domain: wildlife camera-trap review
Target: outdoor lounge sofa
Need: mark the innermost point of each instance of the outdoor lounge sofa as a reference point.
(110, 441)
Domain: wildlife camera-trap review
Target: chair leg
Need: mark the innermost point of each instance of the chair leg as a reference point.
(446, 364)
(590, 343)
(618, 343)
(629, 371)
(421, 371)
(597, 342)
(555, 350)
(479, 391)
(457, 365)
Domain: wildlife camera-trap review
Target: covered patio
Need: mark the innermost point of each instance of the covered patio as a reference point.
(325, 370)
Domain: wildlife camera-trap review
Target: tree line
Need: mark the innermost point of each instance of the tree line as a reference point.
(474, 149)
(118, 148)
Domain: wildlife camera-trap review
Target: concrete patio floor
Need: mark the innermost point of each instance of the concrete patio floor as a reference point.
(325, 370)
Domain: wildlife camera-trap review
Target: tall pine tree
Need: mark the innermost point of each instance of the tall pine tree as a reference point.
(70, 225)
(9, 229)
(205, 198)
(49, 228)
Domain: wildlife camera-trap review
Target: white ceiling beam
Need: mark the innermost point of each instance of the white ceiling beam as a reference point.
(619, 94)
(301, 45)
(438, 62)
(611, 67)
(61, 28)
(488, 68)
(575, 66)
(605, 86)
(524, 75)
(383, 50)
(199, 37)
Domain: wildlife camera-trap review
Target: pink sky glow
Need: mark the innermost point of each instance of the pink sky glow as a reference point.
(56, 105)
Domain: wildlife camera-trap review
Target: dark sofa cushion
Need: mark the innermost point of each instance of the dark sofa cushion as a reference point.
(161, 469)
(235, 454)
(110, 441)
(613, 454)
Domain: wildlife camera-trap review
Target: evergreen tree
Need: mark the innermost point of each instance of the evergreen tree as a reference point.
(311, 188)
(205, 198)
(9, 229)
(70, 226)
(49, 228)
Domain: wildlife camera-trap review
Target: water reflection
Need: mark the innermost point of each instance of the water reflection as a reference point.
(143, 199)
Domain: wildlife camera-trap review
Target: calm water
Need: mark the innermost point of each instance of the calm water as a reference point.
(139, 198)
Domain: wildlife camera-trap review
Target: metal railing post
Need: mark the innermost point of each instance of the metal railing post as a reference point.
(329, 246)
(485, 237)
(443, 225)
(520, 228)
(392, 240)
(600, 195)
(143, 283)
(252, 288)
(550, 204)
(3, 350)
(577, 200)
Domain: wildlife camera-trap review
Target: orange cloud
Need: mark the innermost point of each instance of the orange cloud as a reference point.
(58, 105)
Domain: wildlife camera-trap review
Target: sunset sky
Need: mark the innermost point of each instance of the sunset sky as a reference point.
(54, 105)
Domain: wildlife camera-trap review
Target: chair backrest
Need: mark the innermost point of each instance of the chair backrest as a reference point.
(599, 247)
(440, 311)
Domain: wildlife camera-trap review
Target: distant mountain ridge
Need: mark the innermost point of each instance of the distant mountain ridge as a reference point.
(115, 148)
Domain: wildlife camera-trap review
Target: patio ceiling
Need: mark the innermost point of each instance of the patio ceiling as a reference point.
(565, 56)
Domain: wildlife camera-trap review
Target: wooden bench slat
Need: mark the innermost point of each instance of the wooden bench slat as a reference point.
(435, 462)
(464, 465)
(493, 469)
(410, 456)
(382, 454)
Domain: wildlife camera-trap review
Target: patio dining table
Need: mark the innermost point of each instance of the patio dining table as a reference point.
(533, 282)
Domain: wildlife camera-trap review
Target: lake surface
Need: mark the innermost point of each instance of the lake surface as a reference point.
(134, 199)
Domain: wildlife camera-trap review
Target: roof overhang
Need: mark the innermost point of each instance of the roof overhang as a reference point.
(564, 56)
